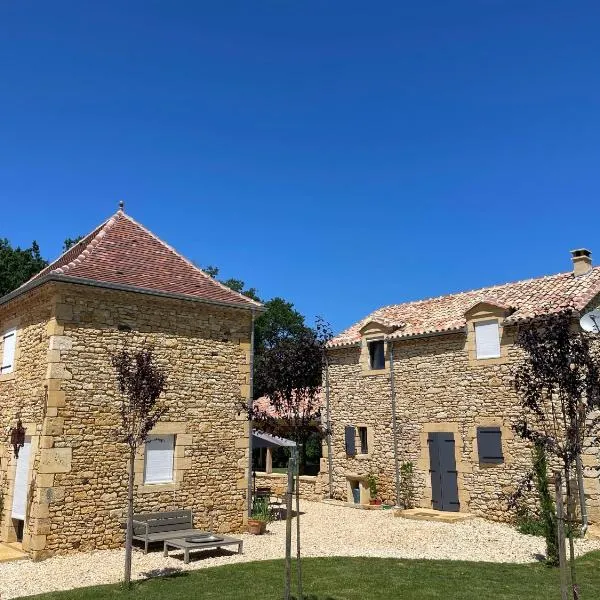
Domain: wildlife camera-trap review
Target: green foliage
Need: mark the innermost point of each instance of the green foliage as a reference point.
(407, 484)
(71, 242)
(547, 509)
(261, 510)
(372, 483)
(18, 266)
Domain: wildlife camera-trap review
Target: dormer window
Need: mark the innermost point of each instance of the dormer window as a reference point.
(377, 355)
(487, 339)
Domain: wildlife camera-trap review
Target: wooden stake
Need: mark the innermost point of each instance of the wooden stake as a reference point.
(288, 530)
(560, 524)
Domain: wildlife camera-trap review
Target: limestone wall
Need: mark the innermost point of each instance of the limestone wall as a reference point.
(78, 490)
(311, 487)
(22, 392)
(438, 388)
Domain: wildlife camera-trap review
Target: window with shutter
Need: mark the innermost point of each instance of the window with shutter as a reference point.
(377, 354)
(489, 445)
(158, 463)
(350, 433)
(8, 352)
(363, 437)
(487, 339)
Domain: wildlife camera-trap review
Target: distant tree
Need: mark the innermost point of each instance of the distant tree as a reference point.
(559, 388)
(140, 382)
(71, 242)
(237, 285)
(17, 265)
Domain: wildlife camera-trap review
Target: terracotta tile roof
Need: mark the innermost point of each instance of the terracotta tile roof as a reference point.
(122, 252)
(264, 406)
(522, 299)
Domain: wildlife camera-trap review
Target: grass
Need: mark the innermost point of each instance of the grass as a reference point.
(354, 579)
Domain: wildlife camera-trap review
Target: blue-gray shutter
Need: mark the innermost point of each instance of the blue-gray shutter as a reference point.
(489, 445)
(350, 433)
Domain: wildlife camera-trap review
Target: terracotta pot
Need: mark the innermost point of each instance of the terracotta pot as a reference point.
(375, 502)
(256, 527)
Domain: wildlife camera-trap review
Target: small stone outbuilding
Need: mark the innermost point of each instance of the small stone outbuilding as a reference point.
(120, 286)
(440, 370)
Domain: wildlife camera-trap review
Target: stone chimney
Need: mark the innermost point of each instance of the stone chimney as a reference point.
(582, 261)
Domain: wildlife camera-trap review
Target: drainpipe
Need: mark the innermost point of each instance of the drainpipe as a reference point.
(250, 408)
(328, 419)
(584, 516)
(394, 428)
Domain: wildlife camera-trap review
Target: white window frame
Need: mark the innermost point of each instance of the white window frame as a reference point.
(487, 348)
(165, 438)
(8, 363)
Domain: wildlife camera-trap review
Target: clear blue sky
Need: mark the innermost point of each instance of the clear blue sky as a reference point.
(343, 155)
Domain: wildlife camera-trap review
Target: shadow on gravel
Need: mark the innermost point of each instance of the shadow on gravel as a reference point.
(168, 572)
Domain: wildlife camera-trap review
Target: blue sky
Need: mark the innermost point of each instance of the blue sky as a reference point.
(343, 155)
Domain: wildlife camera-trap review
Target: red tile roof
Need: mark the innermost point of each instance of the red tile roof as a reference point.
(121, 252)
(523, 299)
(263, 406)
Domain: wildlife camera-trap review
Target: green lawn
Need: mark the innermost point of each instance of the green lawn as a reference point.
(356, 579)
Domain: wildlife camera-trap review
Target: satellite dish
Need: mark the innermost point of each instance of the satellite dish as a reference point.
(591, 321)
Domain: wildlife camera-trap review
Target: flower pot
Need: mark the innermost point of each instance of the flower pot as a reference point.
(375, 502)
(256, 527)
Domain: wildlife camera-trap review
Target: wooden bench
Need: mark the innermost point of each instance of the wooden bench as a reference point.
(161, 526)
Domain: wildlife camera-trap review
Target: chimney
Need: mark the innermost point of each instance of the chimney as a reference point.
(582, 261)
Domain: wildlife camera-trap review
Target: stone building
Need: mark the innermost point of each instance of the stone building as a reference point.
(448, 361)
(120, 286)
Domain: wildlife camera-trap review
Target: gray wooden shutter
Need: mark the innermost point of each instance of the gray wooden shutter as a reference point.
(489, 445)
(350, 433)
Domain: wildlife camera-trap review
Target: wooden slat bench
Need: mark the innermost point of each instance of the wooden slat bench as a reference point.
(161, 526)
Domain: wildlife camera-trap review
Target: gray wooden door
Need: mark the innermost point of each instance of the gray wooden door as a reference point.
(442, 467)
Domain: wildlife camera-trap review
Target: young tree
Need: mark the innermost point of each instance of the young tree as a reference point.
(140, 382)
(559, 388)
(289, 372)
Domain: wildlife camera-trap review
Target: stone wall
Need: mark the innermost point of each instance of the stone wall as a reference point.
(311, 487)
(22, 392)
(439, 387)
(78, 492)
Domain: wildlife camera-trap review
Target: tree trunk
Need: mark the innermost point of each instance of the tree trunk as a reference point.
(298, 561)
(560, 524)
(571, 523)
(129, 534)
(288, 531)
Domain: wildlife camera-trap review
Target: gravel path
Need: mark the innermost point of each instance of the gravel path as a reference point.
(327, 531)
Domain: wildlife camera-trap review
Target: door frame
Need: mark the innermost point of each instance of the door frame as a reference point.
(462, 467)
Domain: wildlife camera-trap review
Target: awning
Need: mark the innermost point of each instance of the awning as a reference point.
(260, 439)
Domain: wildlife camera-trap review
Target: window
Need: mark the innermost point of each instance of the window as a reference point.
(8, 352)
(363, 438)
(158, 463)
(489, 445)
(377, 355)
(487, 339)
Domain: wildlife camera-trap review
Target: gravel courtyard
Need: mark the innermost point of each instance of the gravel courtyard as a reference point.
(326, 531)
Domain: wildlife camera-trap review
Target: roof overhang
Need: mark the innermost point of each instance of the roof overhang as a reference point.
(260, 439)
(51, 277)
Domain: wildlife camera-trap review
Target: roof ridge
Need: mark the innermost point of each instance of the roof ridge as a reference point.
(489, 287)
(95, 238)
(189, 262)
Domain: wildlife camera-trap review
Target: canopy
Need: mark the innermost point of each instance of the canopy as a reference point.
(260, 439)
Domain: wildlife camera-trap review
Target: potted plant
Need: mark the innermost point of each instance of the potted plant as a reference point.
(261, 515)
(372, 483)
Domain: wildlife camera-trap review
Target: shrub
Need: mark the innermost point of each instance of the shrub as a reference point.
(407, 484)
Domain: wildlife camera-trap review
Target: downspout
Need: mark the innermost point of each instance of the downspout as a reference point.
(394, 427)
(328, 419)
(582, 506)
(250, 409)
